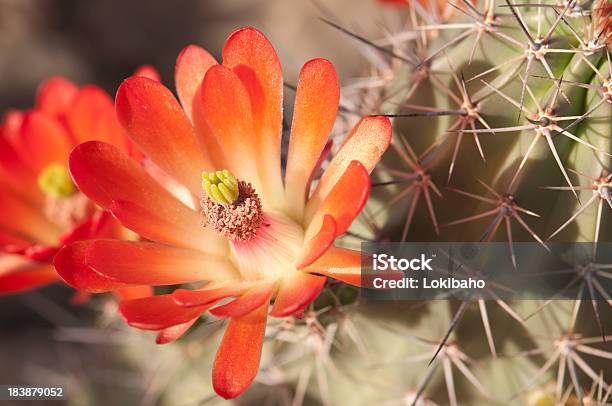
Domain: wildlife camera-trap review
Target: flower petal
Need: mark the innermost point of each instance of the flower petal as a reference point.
(346, 199)
(237, 360)
(26, 221)
(133, 292)
(317, 244)
(252, 299)
(55, 95)
(71, 266)
(316, 105)
(227, 108)
(297, 290)
(43, 141)
(339, 263)
(157, 124)
(171, 334)
(92, 117)
(148, 71)
(251, 56)
(106, 174)
(157, 312)
(191, 66)
(182, 231)
(366, 144)
(29, 277)
(142, 263)
(211, 293)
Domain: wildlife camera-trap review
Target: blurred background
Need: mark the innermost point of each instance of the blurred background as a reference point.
(43, 338)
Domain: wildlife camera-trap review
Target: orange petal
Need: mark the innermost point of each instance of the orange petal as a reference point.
(55, 96)
(43, 141)
(366, 144)
(32, 276)
(191, 66)
(317, 244)
(237, 360)
(92, 117)
(72, 268)
(251, 56)
(252, 299)
(148, 71)
(157, 312)
(171, 334)
(182, 231)
(142, 263)
(297, 290)
(157, 124)
(133, 292)
(106, 174)
(316, 105)
(227, 108)
(346, 199)
(21, 218)
(339, 263)
(211, 293)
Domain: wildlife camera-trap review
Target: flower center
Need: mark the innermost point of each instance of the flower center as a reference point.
(231, 207)
(55, 182)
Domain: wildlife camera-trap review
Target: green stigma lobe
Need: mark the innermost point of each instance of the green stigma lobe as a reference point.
(55, 181)
(220, 186)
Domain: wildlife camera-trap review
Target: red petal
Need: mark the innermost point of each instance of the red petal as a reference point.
(316, 105)
(71, 266)
(133, 292)
(157, 312)
(141, 263)
(191, 66)
(92, 117)
(366, 144)
(248, 302)
(346, 199)
(183, 231)
(211, 293)
(339, 263)
(297, 290)
(27, 278)
(171, 334)
(237, 360)
(105, 174)
(251, 56)
(227, 109)
(23, 219)
(316, 245)
(44, 141)
(55, 96)
(157, 124)
(147, 71)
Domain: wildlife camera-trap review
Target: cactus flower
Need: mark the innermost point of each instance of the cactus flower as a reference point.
(40, 207)
(227, 218)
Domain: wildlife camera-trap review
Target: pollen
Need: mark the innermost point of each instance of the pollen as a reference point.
(237, 218)
(55, 182)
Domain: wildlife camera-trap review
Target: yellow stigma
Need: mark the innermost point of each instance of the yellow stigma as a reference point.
(55, 181)
(220, 186)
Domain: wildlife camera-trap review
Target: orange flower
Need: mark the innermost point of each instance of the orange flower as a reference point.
(262, 238)
(40, 208)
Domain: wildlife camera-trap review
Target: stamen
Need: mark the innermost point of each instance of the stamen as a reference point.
(220, 186)
(55, 181)
(231, 207)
